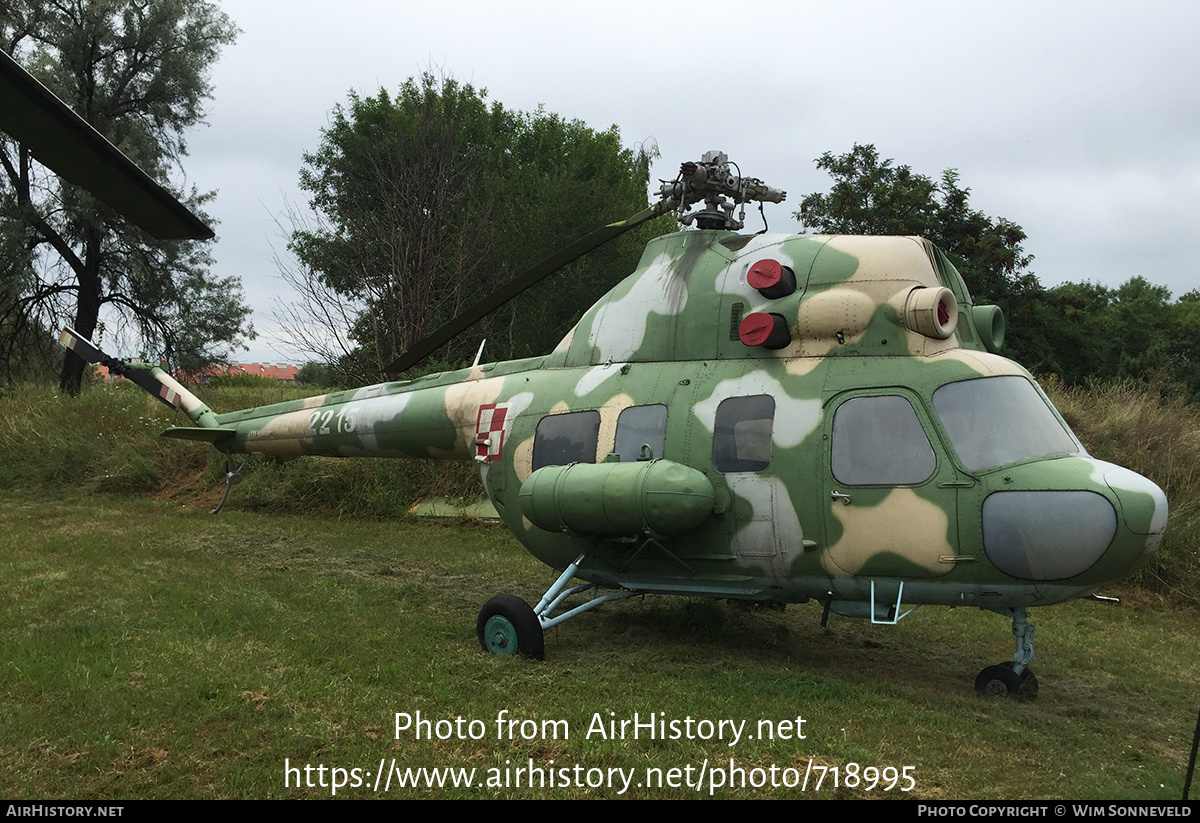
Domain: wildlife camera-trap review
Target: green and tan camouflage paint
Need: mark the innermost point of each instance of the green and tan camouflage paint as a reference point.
(667, 335)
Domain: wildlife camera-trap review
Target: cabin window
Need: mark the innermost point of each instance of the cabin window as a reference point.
(878, 441)
(992, 421)
(742, 433)
(566, 438)
(641, 426)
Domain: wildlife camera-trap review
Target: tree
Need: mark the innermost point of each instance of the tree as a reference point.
(427, 199)
(1132, 332)
(137, 71)
(314, 373)
(1183, 360)
(1082, 341)
(873, 196)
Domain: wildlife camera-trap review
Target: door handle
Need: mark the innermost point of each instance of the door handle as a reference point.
(844, 498)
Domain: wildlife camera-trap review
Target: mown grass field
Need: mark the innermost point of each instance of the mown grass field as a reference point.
(152, 650)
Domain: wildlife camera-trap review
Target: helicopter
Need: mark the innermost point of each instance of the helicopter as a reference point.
(768, 418)
(756, 417)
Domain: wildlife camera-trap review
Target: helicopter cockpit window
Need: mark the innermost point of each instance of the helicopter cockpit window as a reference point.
(992, 421)
(742, 433)
(878, 441)
(641, 426)
(566, 438)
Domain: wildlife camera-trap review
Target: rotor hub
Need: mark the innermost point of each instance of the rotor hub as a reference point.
(721, 187)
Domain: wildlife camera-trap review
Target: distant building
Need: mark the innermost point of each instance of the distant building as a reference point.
(283, 372)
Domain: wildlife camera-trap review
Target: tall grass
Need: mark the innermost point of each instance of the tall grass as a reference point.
(107, 440)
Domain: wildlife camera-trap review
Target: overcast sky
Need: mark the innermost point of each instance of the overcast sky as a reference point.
(1076, 120)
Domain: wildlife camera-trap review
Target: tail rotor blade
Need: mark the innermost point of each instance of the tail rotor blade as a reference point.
(154, 386)
(83, 347)
(86, 349)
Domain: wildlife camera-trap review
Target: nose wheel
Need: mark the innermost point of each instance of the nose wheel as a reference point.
(1002, 681)
(1013, 678)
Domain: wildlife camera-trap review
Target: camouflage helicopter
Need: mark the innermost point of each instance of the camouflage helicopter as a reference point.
(756, 417)
(768, 418)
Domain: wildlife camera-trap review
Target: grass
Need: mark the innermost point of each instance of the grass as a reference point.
(107, 440)
(154, 651)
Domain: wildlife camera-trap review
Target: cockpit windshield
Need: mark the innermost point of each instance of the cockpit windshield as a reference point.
(997, 420)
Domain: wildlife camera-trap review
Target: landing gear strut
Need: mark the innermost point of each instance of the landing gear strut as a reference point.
(1012, 678)
(508, 625)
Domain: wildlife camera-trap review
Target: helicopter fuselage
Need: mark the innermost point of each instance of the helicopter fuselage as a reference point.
(767, 418)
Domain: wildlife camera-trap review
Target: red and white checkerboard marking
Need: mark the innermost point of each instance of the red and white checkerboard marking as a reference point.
(489, 432)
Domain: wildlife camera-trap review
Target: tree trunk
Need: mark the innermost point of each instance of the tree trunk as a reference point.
(87, 314)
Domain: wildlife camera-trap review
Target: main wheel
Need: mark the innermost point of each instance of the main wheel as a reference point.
(507, 625)
(997, 681)
(1029, 682)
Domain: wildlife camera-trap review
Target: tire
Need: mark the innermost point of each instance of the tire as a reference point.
(507, 625)
(1028, 689)
(997, 681)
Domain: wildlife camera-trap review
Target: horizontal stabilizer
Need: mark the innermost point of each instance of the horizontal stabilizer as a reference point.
(203, 435)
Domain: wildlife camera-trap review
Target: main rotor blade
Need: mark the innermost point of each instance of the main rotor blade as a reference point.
(514, 287)
(68, 145)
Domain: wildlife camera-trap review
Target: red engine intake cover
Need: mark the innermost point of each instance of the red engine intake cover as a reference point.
(767, 330)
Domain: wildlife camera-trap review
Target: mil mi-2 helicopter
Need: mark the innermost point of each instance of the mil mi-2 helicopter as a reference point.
(766, 418)
(769, 418)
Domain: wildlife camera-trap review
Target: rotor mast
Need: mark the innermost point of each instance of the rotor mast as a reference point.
(712, 181)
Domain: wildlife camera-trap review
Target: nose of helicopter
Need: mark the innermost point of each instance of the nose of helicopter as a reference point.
(1096, 527)
(1143, 505)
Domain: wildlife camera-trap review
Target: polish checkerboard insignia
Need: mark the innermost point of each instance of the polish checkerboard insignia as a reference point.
(489, 432)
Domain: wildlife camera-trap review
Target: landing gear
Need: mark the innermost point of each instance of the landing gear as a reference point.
(1002, 681)
(1012, 678)
(1029, 682)
(997, 681)
(232, 478)
(507, 625)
